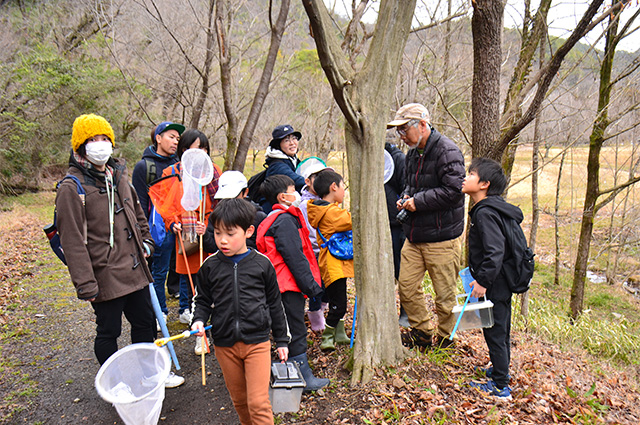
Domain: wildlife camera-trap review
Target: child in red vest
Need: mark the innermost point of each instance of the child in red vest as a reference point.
(284, 238)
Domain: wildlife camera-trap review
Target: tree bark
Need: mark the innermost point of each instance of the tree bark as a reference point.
(486, 27)
(556, 274)
(263, 87)
(226, 82)
(204, 88)
(364, 98)
(593, 171)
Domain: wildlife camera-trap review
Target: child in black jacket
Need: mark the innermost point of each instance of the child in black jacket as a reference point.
(238, 290)
(487, 255)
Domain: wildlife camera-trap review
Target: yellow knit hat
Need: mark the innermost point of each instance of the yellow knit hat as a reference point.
(87, 126)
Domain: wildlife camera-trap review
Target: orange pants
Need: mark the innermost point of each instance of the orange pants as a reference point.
(246, 369)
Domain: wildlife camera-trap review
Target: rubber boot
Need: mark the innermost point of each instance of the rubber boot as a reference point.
(341, 335)
(316, 318)
(313, 383)
(328, 338)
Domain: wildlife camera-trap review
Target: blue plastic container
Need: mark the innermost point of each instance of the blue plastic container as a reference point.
(465, 275)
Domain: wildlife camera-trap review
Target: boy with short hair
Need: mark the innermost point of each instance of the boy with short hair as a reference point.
(326, 216)
(284, 238)
(487, 255)
(160, 155)
(237, 289)
(232, 184)
(315, 312)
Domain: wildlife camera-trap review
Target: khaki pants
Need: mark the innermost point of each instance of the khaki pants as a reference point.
(442, 261)
(247, 369)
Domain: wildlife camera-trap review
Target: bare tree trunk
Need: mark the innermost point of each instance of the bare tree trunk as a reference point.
(486, 27)
(204, 88)
(535, 205)
(222, 22)
(593, 172)
(238, 147)
(364, 99)
(263, 87)
(609, 272)
(556, 275)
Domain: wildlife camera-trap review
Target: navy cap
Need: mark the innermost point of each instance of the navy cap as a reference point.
(168, 125)
(280, 132)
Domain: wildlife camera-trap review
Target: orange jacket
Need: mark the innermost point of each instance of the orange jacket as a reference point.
(193, 260)
(330, 219)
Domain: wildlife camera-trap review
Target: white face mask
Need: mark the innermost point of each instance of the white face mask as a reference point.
(296, 199)
(98, 153)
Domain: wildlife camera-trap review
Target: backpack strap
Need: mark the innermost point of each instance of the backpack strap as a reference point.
(324, 240)
(152, 171)
(82, 194)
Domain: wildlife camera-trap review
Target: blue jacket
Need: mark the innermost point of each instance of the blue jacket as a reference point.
(280, 163)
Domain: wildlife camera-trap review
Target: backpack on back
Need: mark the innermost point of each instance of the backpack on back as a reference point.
(254, 184)
(51, 230)
(520, 267)
(156, 222)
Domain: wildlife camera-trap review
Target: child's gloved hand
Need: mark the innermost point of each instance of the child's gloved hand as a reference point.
(477, 290)
(198, 326)
(283, 353)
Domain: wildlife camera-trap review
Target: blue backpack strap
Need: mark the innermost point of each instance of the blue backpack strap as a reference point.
(324, 240)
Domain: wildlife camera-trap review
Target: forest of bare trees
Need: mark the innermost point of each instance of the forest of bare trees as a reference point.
(235, 69)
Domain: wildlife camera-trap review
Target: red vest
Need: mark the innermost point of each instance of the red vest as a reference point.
(267, 246)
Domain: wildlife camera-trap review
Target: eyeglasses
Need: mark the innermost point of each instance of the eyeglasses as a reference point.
(290, 139)
(402, 130)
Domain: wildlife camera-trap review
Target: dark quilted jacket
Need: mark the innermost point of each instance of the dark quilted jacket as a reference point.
(434, 180)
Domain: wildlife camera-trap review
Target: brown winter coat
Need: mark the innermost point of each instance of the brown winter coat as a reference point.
(330, 219)
(97, 270)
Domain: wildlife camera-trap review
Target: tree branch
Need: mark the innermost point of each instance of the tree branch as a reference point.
(332, 58)
(613, 192)
(545, 75)
(435, 24)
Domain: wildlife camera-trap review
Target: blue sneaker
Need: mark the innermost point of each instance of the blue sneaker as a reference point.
(490, 388)
(487, 372)
(484, 371)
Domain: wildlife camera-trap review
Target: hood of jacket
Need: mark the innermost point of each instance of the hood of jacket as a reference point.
(498, 203)
(272, 154)
(316, 210)
(150, 153)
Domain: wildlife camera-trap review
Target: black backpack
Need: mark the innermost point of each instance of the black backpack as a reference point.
(520, 266)
(254, 184)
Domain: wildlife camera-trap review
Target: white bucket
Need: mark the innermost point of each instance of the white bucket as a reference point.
(132, 379)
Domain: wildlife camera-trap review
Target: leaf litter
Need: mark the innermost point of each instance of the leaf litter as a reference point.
(549, 385)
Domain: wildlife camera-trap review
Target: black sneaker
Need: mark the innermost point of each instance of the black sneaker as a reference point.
(416, 338)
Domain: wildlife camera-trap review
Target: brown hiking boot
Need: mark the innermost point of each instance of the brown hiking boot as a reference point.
(416, 338)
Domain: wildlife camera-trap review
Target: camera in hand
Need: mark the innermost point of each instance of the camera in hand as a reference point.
(403, 215)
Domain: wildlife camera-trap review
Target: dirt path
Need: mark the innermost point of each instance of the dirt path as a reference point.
(47, 366)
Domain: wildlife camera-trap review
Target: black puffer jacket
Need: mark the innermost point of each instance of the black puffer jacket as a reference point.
(394, 187)
(434, 180)
(487, 244)
(242, 300)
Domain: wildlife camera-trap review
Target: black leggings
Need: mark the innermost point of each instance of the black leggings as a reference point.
(138, 311)
(337, 294)
(293, 303)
